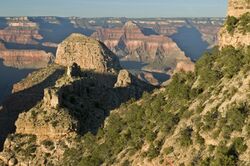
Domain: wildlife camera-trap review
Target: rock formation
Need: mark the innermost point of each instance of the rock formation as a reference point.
(87, 53)
(20, 30)
(184, 66)
(32, 59)
(57, 104)
(237, 39)
(148, 77)
(237, 35)
(238, 7)
(130, 44)
(209, 33)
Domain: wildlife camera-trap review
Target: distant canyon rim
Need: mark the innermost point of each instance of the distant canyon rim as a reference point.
(151, 49)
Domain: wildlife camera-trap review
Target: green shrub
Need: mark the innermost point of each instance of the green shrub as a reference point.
(153, 151)
(185, 137)
(231, 24)
(200, 140)
(204, 70)
(210, 120)
(169, 150)
(239, 145)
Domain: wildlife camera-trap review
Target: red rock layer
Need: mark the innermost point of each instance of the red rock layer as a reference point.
(26, 36)
(26, 58)
(131, 44)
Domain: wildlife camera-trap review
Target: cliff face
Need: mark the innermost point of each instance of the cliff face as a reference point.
(238, 7)
(130, 44)
(28, 59)
(20, 36)
(236, 30)
(57, 104)
(237, 39)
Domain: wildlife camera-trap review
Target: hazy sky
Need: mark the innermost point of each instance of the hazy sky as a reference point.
(114, 8)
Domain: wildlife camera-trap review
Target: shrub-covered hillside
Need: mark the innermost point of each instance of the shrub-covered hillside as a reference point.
(241, 23)
(200, 118)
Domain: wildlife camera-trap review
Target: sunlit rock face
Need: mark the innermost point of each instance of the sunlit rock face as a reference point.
(20, 30)
(130, 44)
(238, 7)
(237, 37)
(87, 53)
(28, 59)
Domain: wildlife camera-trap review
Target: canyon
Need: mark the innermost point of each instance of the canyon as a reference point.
(151, 47)
(130, 44)
(84, 108)
(53, 90)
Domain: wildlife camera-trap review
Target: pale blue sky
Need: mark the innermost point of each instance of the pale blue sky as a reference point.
(114, 8)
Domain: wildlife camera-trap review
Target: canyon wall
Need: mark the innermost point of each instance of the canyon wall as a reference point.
(130, 44)
(236, 33)
(238, 7)
(29, 59)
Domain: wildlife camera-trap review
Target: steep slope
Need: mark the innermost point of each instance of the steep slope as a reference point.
(200, 118)
(54, 106)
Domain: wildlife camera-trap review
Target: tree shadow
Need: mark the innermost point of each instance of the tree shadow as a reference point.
(89, 99)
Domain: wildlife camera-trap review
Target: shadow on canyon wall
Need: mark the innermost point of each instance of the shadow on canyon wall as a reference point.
(89, 100)
(189, 40)
(8, 77)
(22, 101)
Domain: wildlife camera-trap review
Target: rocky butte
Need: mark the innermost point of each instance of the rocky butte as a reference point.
(130, 44)
(87, 53)
(55, 105)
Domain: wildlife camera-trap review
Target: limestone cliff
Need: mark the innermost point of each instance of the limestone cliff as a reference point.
(238, 7)
(236, 31)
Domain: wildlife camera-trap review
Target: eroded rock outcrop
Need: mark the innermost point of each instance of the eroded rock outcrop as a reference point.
(72, 98)
(87, 53)
(130, 44)
(238, 7)
(236, 30)
(184, 66)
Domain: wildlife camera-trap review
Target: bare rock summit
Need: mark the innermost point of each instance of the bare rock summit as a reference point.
(88, 53)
